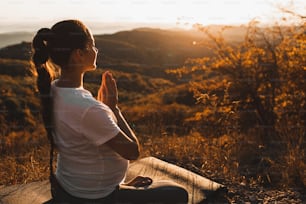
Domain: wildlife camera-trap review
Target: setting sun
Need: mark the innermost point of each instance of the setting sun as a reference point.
(170, 13)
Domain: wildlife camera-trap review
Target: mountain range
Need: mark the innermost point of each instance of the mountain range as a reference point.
(142, 47)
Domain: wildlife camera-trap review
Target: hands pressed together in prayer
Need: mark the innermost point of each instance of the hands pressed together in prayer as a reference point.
(108, 93)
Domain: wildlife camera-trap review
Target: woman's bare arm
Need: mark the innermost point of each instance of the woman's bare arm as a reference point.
(125, 142)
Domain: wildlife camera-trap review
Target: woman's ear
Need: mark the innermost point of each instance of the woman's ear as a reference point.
(76, 56)
(78, 53)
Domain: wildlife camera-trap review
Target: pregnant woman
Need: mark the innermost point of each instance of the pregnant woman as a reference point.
(93, 140)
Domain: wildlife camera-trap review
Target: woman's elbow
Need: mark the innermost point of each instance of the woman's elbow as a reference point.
(134, 152)
(126, 148)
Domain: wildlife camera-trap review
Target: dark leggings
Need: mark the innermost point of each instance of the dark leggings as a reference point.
(158, 192)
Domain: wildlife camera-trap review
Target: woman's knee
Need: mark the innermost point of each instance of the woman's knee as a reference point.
(182, 194)
(170, 193)
(175, 194)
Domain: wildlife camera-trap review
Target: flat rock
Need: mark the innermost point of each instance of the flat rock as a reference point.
(198, 187)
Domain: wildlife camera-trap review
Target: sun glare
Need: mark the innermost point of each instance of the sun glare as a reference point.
(182, 13)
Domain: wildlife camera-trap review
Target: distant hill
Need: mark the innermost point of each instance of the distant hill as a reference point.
(149, 47)
(137, 58)
(142, 50)
(143, 46)
(14, 38)
(21, 51)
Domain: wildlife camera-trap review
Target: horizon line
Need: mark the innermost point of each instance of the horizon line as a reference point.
(99, 27)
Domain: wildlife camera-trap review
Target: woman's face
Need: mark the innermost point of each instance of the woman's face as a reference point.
(90, 55)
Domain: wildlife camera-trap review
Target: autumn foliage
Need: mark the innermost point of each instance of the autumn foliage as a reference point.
(254, 93)
(234, 111)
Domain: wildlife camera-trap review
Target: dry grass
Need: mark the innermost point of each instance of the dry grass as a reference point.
(205, 156)
(24, 157)
(226, 159)
(230, 159)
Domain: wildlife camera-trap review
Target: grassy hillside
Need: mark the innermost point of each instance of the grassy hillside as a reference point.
(151, 46)
(138, 60)
(202, 116)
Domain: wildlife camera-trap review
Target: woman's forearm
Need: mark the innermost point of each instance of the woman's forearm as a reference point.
(124, 126)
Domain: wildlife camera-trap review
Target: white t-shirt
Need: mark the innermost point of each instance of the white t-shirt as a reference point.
(86, 167)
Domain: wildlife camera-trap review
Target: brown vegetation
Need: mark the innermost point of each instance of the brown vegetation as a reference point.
(237, 116)
(256, 97)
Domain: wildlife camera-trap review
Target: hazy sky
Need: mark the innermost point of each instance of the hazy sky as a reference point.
(167, 12)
